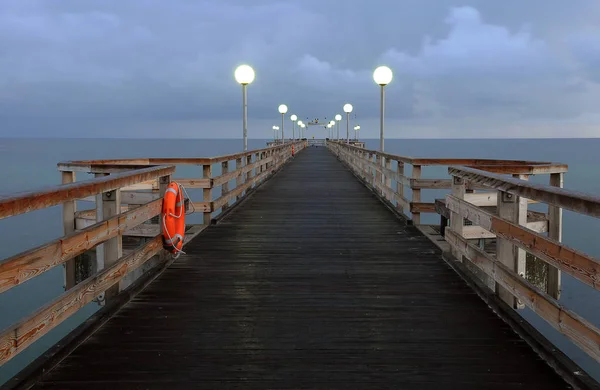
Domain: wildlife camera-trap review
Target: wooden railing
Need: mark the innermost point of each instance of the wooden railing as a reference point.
(504, 266)
(386, 174)
(128, 196)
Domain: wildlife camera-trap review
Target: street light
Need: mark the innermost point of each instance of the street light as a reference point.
(382, 76)
(302, 125)
(356, 128)
(275, 129)
(244, 75)
(282, 110)
(338, 118)
(329, 126)
(294, 118)
(348, 109)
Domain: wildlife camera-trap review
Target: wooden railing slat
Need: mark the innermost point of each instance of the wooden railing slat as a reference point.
(22, 334)
(27, 265)
(55, 195)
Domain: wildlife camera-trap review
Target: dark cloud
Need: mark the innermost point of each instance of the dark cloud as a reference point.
(135, 68)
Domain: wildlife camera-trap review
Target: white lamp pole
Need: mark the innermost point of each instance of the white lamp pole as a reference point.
(338, 118)
(275, 128)
(282, 110)
(300, 127)
(382, 76)
(348, 109)
(294, 118)
(244, 75)
(331, 124)
(303, 127)
(356, 129)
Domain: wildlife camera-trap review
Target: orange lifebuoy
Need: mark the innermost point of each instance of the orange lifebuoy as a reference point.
(292, 150)
(173, 211)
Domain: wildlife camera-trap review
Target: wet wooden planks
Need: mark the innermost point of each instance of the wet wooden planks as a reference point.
(311, 283)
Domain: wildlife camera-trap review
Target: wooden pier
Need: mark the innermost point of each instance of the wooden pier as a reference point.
(308, 271)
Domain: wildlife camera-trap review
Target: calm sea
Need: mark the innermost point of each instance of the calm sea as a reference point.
(31, 163)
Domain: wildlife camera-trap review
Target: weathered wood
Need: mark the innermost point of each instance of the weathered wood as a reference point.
(16, 338)
(27, 265)
(555, 215)
(266, 301)
(430, 183)
(35, 200)
(226, 177)
(138, 197)
(68, 214)
(207, 193)
(225, 185)
(576, 329)
(579, 265)
(194, 183)
(218, 203)
(416, 198)
(421, 207)
(143, 230)
(567, 199)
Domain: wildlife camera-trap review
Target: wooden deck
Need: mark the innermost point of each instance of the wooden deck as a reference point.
(310, 283)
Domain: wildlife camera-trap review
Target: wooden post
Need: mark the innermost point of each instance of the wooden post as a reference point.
(113, 248)
(225, 186)
(508, 208)
(555, 214)
(239, 179)
(250, 173)
(520, 254)
(416, 194)
(100, 217)
(378, 175)
(400, 186)
(457, 222)
(69, 209)
(207, 174)
(388, 179)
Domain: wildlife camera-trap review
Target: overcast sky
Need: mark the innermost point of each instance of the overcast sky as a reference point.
(152, 68)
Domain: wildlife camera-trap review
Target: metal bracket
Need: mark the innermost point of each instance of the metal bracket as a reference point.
(508, 198)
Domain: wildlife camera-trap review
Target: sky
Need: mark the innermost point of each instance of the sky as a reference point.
(164, 69)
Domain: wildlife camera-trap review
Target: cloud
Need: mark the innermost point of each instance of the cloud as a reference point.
(119, 66)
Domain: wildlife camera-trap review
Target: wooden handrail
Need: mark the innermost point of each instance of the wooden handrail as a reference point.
(568, 199)
(27, 265)
(51, 196)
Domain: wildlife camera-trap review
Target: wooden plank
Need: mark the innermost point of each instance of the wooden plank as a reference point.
(194, 183)
(218, 203)
(16, 338)
(579, 331)
(207, 192)
(430, 183)
(138, 197)
(51, 196)
(482, 198)
(225, 178)
(476, 232)
(556, 196)
(577, 264)
(421, 207)
(18, 269)
(143, 186)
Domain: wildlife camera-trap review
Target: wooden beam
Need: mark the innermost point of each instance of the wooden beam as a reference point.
(556, 196)
(24, 266)
(19, 336)
(55, 195)
(580, 331)
(194, 183)
(218, 203)
(577, 264)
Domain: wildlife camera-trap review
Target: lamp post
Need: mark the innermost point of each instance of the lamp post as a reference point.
(302, 125)
(331, 124)
(348, 109)
(294, 118)
(338, 118)
(244, 75)
(282, 110)
(382, 76)
(356, 128)
(275, 128)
